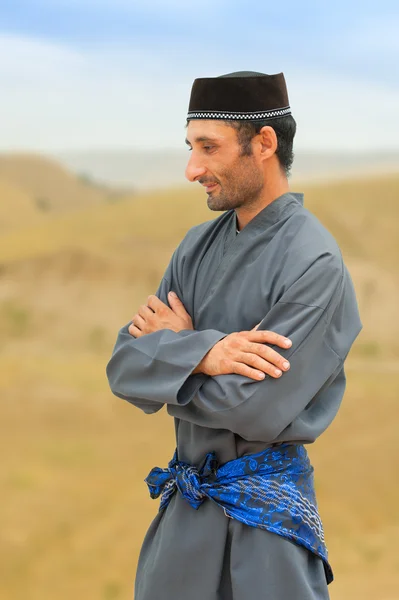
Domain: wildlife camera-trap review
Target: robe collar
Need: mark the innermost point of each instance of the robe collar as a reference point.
(273, 212)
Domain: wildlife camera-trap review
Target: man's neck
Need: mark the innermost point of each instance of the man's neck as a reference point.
(245, 214)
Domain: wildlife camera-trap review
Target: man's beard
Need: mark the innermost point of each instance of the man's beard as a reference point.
(242, 186)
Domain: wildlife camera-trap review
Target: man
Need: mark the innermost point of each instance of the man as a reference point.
(244, 342)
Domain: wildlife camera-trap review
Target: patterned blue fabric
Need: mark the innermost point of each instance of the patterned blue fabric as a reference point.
(271, 490)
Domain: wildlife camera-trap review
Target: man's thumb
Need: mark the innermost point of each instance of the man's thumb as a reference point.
(176, 304)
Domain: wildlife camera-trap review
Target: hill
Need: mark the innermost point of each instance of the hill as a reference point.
(350, 209)
(137, 236)
(16, 207)
(149, 169)
(74, 505)
(33, 185)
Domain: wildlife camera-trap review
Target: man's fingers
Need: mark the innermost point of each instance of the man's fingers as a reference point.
(253, 360)
(176, 305)
(135, 331)
(145, 312)
(242, 369)
(269, 337)
(155, 303)
(268, 354)
(139, 322)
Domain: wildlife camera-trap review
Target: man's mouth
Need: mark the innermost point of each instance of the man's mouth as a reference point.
(209, 186)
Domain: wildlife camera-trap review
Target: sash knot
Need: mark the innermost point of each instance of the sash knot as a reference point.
(191, 482)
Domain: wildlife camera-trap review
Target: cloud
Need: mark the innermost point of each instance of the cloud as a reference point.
(25, 59)
(369, 48)
(378, 35)
(343, 113)
(53, 97)
(57, 98)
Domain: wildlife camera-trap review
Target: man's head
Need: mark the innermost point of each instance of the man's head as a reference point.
(240, 151)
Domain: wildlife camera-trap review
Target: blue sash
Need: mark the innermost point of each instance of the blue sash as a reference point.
(272, 490)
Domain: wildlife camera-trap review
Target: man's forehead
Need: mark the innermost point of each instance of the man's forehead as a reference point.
(201, 129)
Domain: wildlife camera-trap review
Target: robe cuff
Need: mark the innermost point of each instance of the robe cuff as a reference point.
(190, 387)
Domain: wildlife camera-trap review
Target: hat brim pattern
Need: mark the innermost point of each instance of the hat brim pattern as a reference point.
(240, 116)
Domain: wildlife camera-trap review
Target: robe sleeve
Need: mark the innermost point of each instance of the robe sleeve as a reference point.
(318, 312)
(149, 371)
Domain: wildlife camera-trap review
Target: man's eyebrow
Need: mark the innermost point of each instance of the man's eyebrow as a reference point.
(202, 139)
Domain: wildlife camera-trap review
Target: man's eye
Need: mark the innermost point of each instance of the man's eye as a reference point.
(204, 148)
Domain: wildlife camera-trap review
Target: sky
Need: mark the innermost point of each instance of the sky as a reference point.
(117, 74)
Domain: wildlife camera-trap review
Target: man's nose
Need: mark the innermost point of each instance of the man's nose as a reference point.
(194, 168)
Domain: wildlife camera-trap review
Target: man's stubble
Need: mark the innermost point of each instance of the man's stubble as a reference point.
(243, 183)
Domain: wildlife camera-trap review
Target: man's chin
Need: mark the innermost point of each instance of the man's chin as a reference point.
(214, 204)
(215, 200)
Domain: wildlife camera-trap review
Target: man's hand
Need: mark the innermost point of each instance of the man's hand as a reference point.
(157, 315)
(244, 353)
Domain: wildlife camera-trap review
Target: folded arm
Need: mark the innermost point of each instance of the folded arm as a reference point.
(150, 370)
(156, 355)
(319, 314)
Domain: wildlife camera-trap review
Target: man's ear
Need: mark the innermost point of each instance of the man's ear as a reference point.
(268, 142)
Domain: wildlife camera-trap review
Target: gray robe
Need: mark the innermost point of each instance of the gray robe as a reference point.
(285, 270)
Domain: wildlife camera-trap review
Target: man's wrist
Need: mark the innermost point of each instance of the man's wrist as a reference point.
(198, 369)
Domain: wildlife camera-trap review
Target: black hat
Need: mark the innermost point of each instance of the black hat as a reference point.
(241, 96)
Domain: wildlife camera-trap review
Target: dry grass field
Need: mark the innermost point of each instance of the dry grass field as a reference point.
(34, 188)
(74, 504)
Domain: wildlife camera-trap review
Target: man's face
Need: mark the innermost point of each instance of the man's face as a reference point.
(231, 180)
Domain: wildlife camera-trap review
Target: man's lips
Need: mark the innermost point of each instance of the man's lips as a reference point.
(209, 186)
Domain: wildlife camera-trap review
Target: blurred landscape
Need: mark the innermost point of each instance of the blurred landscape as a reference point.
(78, 254)
(158, 169)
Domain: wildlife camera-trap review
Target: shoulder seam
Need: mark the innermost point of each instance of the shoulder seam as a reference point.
(302, 304)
